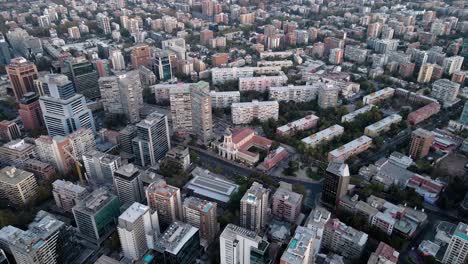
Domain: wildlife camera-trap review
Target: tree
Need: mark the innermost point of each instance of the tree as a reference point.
(293, 166)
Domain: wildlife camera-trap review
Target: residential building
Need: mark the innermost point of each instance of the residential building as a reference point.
(236, 244)
(351, 116)
(21, 74)
(335, 184)
(423, 113)
(137, 228)
(96, 215)
(378, 96)
(452, 64)
(179, 157)
(421, 142)
(344, 240)
(5, 54)
(67, 194)
(457, 250)
(445, 91)
(128, 184)
(327, 96)
(16, 152)
(42, 170)
(244, 113)
(293, 127)
(103, 23)
(383, 125)
(351, 148)
(100, 167)
(286, 204)
(152, 141)
(224, 99)
(302, 248)
(140, 55)
(384, 254)
(210, 186)
(9, 130)
(17, 186)
(54, 150)
(180, 243)
(30, 112)
(220, 75)
(162, 91)
(83, 75)
(295, 93)
(64, 111)
(336, 56)
(262, 83)
(166, 200)
(254, 207)
(126, 135)
(202, 215)
(323, 136)
(117, 59)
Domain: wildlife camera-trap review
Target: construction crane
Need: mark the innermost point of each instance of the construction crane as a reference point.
(77, 166)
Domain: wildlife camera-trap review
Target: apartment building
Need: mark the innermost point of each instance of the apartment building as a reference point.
(351, 148)
(378, 96)
(262, 83)
(323, 136)
(244, 113)
(224, 99)
(383, 125)
(17, 186)
(293, 127)
(295, 93)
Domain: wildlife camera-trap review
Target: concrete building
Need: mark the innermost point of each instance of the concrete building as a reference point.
(445, 91)
(152, 141)
(293, 127)
(9, 130)
(126, 135)
(224, 99)
(378, 96)
(254, 207)
(384, 254)
(295, 93)
(457, 251)
(202, 215)
(286, 204)
(67, 194)
(336, 183)
(83, 76)
(323, 136)
(327, 96)
(421, 142)
(236, 244)
(452, 64)
(220, 75)
(17, 186)
(30, 112)
(54, 151)
(21, 74)
(128, 184)
(178, 157)
(64, 111)
(162, 66)
(262, 83)
(425, 73)
(140, 55)
(244, 113)
(344, 240)
(137, 229)
(423, 113)
(122, 94)
(16, 152)
(383, 125)
(210, 186)
(302, 248)
(96, 216)
(100, 166)
(180, 243)
(166, 200)
(351, 148)
(351, 116)
(42, 170)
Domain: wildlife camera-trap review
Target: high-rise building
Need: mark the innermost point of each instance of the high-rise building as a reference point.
(254, 207)
(100, 167)
(128, 184)
(74, 33)
(445, 90)
(126, 135)
(103, 23)
(162, 66)
(246, 112)
(166, 200)
(452, 64)
(202, 215)
(137, 228)
(96, 215)
(5, 54)
(83, 76)
(457, 250)
(122, 94)
(202, 123)
(16, 152)
(205, 36)
(236, 244)
(67, 194)
(286, 203)
(335, 184)
(30, 112)
(301, 248)
(327, 96)
(425, 73)
(9, 130)
(117, 60)
(344, 240)
(464, 115)
(140, 55)
(17, 186)
(21, 74)
(64, 111)
(152, 141)
(43, 242)
(180, 243)
(421, 142)
(54, 150)
(102, 66)
(336, 56)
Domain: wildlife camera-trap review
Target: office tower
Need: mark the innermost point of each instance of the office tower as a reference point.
(301, 248)
(9, 130)
(425, 73)
(54, 150)
(103, 23)
(202, 215)
(327, 96)
(202, 123)
(128, 184)
(254, 207)
(457, 250)
(344, 240)
(384, 254)
(30, 112)
(152, 141)
(126, 135)
(286, 203)
(67, 194)
(5, 54)
(43, 242)
(137, 228)
(21, 74)
(445, 90)
(64, 111)
(117, 60)
(74, 33)
(236, 244)
(83, 76)
(140, 55)
(100, 166)
(17, 186)
(421, 142)
(96, 215)
(180, 243)
(335, 184)
(165, 199)
(122, 94)
(162, 66)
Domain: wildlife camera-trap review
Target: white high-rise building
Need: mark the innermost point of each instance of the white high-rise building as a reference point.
(457, 250)
(128, 184)
(301, 248)
(236, 244)
(103, 23)
(100, 167)
(452, 64)
(117, 60)
(137, 229)
(445, 90)
(254, 207)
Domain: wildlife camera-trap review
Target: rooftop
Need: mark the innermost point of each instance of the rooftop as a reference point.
(13, 176)
(198, 204)
(68, 186)
(352, 145)
(175, 237)
(299, 245)
(161, 188)
(347, 232)
(18, 145)
(231, 231)
(298, 123)
(324, 134)
(210, 185)
(255, 192)
(95, 201)
(135, 211)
